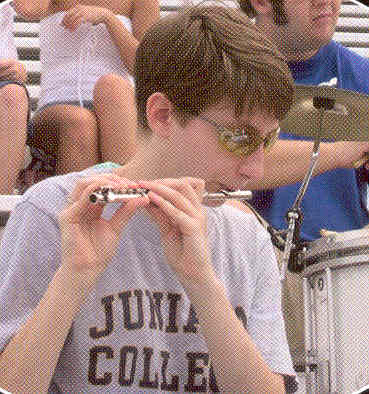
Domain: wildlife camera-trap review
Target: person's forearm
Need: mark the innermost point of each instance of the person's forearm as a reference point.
(32, 9)
(123, 39)
(237, 362)
(234, 357)
(27, 364)
(288, 162)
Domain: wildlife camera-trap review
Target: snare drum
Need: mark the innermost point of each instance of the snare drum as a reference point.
(336, 309)
(7, 205)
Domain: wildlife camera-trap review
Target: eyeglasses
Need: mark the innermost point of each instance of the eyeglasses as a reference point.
(242, 141)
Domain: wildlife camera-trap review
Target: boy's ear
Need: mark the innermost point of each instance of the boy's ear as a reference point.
(158, 111)
(262, 7)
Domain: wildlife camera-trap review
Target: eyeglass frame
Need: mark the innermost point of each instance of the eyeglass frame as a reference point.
(239, 144)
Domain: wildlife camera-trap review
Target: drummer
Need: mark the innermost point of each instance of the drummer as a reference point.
(334, 200)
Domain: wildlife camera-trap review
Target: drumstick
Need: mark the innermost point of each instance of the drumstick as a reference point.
(327, 233)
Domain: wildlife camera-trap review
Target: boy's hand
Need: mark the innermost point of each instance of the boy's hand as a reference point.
(88, 240)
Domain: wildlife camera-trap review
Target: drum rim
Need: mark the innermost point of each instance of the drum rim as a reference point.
(334, 264)
(334, 252)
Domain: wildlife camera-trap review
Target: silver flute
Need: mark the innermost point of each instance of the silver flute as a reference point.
(106, 195)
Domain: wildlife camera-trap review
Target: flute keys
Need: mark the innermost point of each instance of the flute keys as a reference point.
(108, 194)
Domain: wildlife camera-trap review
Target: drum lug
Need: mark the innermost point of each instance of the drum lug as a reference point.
(311, 361)
(312, 369)
(301, 256)
(296, 261)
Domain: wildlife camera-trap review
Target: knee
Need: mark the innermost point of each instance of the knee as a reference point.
(79, 123)
(109, 83)
(14, 96)
(79, 136)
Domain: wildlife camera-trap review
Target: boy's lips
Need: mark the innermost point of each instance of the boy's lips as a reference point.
(232, 188)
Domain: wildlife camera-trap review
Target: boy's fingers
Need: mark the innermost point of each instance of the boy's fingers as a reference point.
(127, 210)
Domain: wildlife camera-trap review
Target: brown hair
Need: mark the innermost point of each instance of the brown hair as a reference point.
(205, 53)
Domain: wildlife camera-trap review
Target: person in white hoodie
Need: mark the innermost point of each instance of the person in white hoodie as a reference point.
(86, 112)
(14, 103)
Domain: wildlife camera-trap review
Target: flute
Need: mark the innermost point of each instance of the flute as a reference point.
(106, 195)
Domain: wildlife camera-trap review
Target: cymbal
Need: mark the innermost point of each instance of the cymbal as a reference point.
(346, 119)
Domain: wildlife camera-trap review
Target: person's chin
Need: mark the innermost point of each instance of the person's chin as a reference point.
(323, 35)
(214, 203)
(316, 42)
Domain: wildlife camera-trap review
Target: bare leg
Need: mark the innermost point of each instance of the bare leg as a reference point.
(13, 124)
(70, 132)
(116, 116)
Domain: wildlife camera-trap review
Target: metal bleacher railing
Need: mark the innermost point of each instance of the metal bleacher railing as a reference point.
(352, 31)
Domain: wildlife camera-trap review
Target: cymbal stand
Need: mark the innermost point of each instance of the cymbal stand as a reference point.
(294, 215)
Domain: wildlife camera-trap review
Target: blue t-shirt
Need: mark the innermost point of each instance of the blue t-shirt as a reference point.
(333, 200)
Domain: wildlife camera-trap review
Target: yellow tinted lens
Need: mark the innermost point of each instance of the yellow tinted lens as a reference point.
(271, 139)
(249, 142)
(230, 140)
(228, 143)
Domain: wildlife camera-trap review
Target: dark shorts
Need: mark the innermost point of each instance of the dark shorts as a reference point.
(42, 160)
(4, 83)
(88, 104)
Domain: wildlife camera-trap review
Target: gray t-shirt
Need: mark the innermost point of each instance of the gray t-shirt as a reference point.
(137, 331)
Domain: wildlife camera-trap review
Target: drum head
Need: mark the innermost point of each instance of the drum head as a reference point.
(364, 390)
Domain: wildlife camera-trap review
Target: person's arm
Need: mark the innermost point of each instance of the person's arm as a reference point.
(12, 70)
(124, 40)
(33, 9)
(234, 356)
(289, 161)
(28, 361)
(181, 219)
(27, 364)
(144, 14)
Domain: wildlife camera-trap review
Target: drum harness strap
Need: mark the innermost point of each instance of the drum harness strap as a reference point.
(278, 238)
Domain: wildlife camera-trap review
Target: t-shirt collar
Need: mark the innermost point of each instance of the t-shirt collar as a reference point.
(305, 68)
